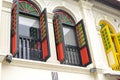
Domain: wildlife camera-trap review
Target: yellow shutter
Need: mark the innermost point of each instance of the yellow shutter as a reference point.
(110, 47)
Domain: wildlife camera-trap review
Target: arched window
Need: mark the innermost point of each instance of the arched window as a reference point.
(71, 40)
(111, 44)
(29, 31)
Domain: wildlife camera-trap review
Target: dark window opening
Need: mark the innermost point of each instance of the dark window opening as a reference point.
(28, 25)
(69, 36)
(29, 38)
(71, 49)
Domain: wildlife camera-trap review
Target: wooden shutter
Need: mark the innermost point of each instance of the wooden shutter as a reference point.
(109, 47)
(14, 28)
(82, 44)
(59, 38)
(44, 35)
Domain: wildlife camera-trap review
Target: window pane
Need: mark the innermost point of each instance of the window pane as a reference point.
(25, 23)
(69, 36)
(29, 43)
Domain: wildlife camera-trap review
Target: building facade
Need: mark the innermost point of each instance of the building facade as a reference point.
(59, 40)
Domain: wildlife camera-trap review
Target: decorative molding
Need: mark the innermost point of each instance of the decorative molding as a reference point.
(86, 4)
(68, 10)
(7, 4)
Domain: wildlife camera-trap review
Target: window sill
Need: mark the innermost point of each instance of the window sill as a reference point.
(48, 66)
(111, 73)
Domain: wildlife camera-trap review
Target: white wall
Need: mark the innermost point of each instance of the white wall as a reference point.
(5, 28)
(31, 70)
(21, 72)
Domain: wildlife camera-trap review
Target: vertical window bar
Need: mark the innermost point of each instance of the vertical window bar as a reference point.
(77, 57)
(72, 57)
(30, 45)
(68, 53)
(28, 48)
(32, 49)
(24, 49)
(20, 48)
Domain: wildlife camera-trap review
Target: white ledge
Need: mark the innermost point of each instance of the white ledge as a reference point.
(112, 73)
(48, 66)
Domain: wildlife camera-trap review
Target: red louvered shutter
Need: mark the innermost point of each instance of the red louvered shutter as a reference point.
(83, 44)
(44, 35)
(14, 28)
(59, 38)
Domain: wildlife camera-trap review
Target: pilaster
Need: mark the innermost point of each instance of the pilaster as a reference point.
(5, 22)
(93, 39)
(0, 19)
(53, 58)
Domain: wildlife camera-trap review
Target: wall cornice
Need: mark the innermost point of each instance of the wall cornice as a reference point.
(105, 8)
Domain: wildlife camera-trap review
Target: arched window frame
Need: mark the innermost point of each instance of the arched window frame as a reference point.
(28, 6)
(43, 38)
(82, 48)
(64, 15)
